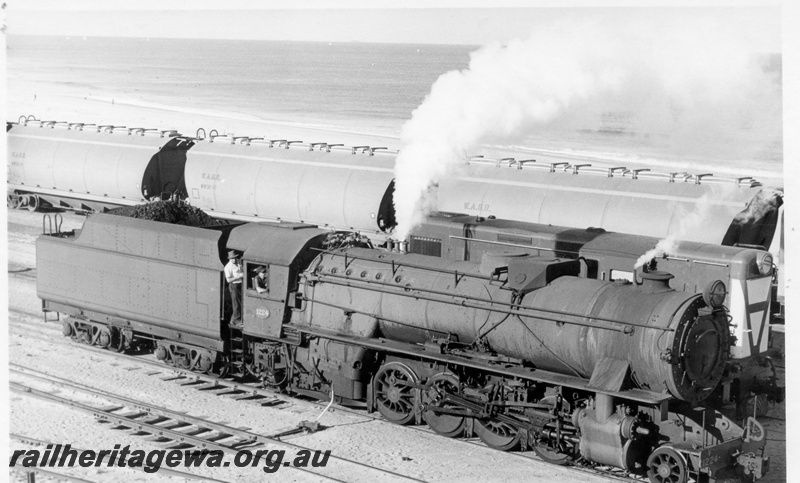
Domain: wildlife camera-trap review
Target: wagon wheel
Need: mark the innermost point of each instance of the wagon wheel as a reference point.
(86, 336)
(118, 340)
(33, 203)
(206, 364)
(222, 368)
(394, 392)
(558, 453)
(496, 434)
(185, 360)
(104, 338)
(666, 465)
(444, 424)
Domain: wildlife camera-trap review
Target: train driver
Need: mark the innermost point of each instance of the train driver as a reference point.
(234, 275)
(260, 280)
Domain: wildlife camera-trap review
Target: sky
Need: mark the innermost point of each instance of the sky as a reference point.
(469, 22)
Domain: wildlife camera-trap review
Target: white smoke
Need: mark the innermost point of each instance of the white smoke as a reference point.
(693, 219)
(671, 82)
(690, 219)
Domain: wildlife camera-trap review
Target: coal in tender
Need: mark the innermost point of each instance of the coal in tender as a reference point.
(174, 212)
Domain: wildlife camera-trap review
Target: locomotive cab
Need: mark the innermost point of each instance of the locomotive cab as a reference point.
(282, 253)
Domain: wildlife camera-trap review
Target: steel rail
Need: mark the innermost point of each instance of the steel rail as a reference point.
(187, 378)
(162, 470)
(245, 437)
(54, 474)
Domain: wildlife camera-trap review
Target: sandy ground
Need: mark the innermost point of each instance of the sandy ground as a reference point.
(61, 103)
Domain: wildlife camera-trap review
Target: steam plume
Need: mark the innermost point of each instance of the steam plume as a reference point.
(690, 220)
(692, 88)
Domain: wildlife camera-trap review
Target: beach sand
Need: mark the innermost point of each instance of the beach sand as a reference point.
(50, 101)
(47, 100)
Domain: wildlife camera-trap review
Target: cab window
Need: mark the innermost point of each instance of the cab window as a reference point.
(257, 283)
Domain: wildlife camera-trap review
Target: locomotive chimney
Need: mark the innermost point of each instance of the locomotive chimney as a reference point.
(655, 281)
(403, 246)
(390, 245)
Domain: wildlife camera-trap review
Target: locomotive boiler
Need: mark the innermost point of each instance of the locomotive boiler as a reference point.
(748, 273)
(520, 350)
(531, 309)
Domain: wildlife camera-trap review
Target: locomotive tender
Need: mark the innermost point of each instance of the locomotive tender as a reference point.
(520, 350)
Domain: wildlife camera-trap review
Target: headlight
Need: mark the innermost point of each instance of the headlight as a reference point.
(715, 293)
(765, 264)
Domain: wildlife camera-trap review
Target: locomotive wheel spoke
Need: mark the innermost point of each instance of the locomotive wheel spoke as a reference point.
(666, 465)
(497, 435)
(394, 395)
(444, 424)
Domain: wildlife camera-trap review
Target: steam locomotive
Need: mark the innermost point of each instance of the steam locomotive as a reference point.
(524, 351)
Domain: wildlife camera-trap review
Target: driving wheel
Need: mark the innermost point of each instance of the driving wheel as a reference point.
(394, 392)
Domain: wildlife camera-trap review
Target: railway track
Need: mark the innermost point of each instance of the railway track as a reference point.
(175, 430)
(53, 474)
(223, 388)
(28, 441)
(252, 392)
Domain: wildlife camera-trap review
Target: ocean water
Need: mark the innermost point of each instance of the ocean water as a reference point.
(318, 83)
(371, 88)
